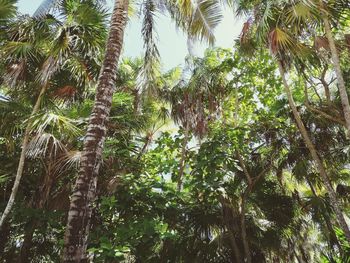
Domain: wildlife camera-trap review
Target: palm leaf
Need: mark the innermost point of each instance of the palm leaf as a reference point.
(7, 9)
(206, 16)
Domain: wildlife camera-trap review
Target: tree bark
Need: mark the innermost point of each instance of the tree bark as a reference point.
(237, 255)
(309, 144)
(243, 228)
(21, 162)
(336, 63)
(226, 214)
(325, 85)
(79, 215)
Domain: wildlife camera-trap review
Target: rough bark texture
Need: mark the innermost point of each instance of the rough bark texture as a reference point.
(19, 173)
(340, 79)
(79, 215)
(309, 144)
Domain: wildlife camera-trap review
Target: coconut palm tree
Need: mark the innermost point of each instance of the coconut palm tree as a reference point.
(84, 191)
(39, 49)
(327, 15)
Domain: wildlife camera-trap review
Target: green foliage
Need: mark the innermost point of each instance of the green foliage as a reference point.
(220, 129)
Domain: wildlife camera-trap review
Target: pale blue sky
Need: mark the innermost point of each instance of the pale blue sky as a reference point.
(172, 43)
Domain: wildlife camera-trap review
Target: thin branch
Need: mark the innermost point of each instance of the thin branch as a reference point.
(246, 173)
(325, 115)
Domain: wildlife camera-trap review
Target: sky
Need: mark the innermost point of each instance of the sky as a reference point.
(172, 43)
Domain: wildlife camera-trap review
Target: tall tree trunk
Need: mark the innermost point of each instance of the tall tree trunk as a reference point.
(183, 156)
(228, 213)
(336, 63)
(19, 173)
(309, 144)
(332, 234)
(243, 228)
(237, 255)
(79, 215)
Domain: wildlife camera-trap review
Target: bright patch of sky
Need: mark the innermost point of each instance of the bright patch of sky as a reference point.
(172, 43)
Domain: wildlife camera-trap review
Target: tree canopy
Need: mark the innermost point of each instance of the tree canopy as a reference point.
(242, 155)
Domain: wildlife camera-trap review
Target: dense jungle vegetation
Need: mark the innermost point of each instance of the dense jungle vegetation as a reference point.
(241, 155)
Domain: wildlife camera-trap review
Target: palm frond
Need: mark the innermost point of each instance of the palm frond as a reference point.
(41, 143)
(205, 17)
(54, 122)
(7, 9)
(150, 68)
(69, 160)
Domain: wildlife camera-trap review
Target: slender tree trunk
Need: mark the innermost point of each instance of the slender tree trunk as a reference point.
(326, 86)
(145, 146)
(5, 234)
(228, 213)
(183, 156)
(39, 201)
(303, 254)
(25, 253)
(332, 234)
(332, 195)
(243, 228)
(336, 63)
(79, 215)
(237, 255)
(297, 257)
(19, 173)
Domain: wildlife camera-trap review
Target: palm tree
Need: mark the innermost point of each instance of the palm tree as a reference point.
(50, 55)
(197, 18)
(7, 10)
(22, 57)
(269, 26)
(326, 17)
(197, 101)
(79, 215)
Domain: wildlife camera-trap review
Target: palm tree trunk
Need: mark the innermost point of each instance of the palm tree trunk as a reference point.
(20, 167)
(340, 79)
(79, 215)
(309, 144)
